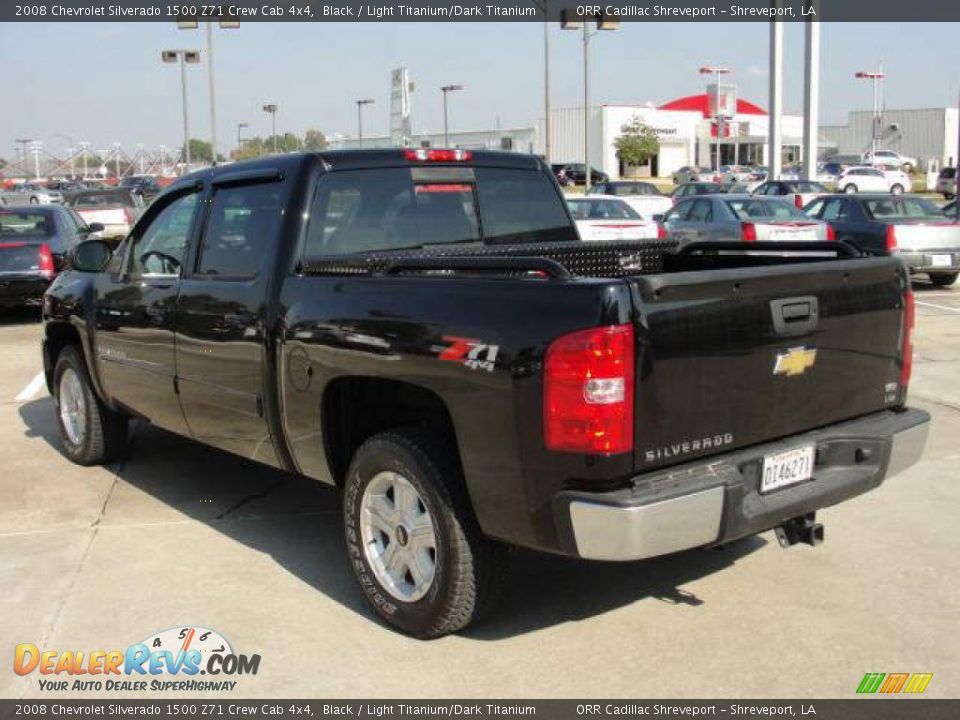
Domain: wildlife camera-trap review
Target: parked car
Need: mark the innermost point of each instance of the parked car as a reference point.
(870, 179)
(116, 210)
(796, 171)
(34, 245)
(889, 158)
(63, 186)
(800, 192)
(698, 188)
(730, 174)
(741, 218)
(689, 174)
(146, 186)
(576, 175)
(607, 217)
(495, 383)
(560, 173)
(947, 182)
(643, 197)
(910, 227)
(29, 193)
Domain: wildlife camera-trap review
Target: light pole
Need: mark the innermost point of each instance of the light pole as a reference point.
(717, 115)
(877, 78)
(84, 146)
(116, 159)
(271, 109)
(184, 56)
(226, 25)
(446, 89)
(163, 160)
(603, 23)
(36, 147)
(360, 104)
(240, 127)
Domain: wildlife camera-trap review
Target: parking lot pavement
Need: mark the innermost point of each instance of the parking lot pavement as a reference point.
(99, 558)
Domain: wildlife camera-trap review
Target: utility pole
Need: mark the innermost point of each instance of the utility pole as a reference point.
(877, 77)
(811, 97)
(446, 131)
(84, 145)
(717, 70)
(360, 104)
(184, 56)
(240, 127)
(271, 109)
(775, 137)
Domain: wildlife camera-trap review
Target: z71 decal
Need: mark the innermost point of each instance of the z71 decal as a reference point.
(475, 354)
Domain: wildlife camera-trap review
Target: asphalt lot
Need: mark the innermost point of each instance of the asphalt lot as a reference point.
(99, 558)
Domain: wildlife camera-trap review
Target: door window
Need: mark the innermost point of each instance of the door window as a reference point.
(243, 226)
(701, 212)
(160, 247)
(835, 210)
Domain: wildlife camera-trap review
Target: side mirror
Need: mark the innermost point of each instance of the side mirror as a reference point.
(91, 256)
(95, 228)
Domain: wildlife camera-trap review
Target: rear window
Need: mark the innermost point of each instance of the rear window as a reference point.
(807, 187)
(387, 209)
(585, 209)
(16, 224)
(102, 198)
(948, 173)
(754, 209)
(621, 189)
(893, 208)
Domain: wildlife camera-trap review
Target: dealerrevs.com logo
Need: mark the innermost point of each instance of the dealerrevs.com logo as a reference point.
(169, 660)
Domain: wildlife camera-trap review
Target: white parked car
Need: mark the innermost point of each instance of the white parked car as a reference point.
(889, 158)
(607, 217)
(643, 197)
(869, 179)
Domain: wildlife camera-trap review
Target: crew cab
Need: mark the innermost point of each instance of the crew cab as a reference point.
(425, 330)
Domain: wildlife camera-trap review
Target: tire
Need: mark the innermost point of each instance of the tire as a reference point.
(849, 189)
(896, 189)
(90, 432)
(34, 201)
(464, 572)
(944, 279)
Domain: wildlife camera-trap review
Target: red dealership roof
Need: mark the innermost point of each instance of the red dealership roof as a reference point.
(700, 104)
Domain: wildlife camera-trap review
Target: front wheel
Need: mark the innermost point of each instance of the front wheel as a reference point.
(896, 189)
(90, 432)
(944, 279)
(412, 540)
(849, 189)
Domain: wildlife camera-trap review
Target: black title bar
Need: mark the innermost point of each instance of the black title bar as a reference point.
(483, 11)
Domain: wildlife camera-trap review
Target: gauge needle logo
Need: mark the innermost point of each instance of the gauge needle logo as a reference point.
(186, 641)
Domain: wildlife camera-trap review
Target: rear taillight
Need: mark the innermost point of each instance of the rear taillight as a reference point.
(424, 155)
(798, 201)
(128, 213)
(588, 391)
(891, 242)
(909, 318)
(748, 232)
(831, 233)
(661, 232)
(46, 261)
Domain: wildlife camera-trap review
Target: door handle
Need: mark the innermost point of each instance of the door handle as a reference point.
(795, 316)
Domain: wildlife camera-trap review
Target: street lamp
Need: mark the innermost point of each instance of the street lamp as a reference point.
(271, 109)
(360, 104)
(717, 115)
(84, 146)
(225, 25)
(877, 78)
(240, 127)
(185, 56)
(446, 89)
(603, 23)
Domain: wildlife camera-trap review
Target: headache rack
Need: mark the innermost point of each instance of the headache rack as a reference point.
(560, 260)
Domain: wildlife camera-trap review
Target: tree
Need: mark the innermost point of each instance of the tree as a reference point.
(314, 140)
(200, 152)
(637, 143)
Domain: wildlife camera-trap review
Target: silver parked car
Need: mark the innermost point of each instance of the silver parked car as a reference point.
(742, 218)
(29, 193)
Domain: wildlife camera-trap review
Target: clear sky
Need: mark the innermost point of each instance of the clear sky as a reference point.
(105, 83)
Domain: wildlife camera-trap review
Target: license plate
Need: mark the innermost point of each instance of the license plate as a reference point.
(792, 234)
(941, 260)
(787, 468)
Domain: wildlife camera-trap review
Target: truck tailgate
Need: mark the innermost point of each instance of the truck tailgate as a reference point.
(731, 358)
(912, 236)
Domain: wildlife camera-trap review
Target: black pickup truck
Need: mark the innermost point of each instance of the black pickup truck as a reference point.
(425, 330)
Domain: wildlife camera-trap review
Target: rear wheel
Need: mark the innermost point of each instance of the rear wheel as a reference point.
(413, 542)
(851, 188)
(90, 432)
(944, 279)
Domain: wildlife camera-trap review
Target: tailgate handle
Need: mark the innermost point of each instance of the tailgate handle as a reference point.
(794, 316)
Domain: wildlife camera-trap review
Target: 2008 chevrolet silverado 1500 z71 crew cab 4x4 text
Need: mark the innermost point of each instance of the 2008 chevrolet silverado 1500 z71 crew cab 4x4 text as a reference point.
(425, 330)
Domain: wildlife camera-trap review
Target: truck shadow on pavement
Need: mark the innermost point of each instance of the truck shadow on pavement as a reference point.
(296, 521)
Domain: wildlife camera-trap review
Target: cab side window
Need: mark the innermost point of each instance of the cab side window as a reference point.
(160, 248)
(243, 224)
(702, 211)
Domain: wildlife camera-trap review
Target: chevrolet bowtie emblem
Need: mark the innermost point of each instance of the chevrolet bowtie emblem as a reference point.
(794, 361)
